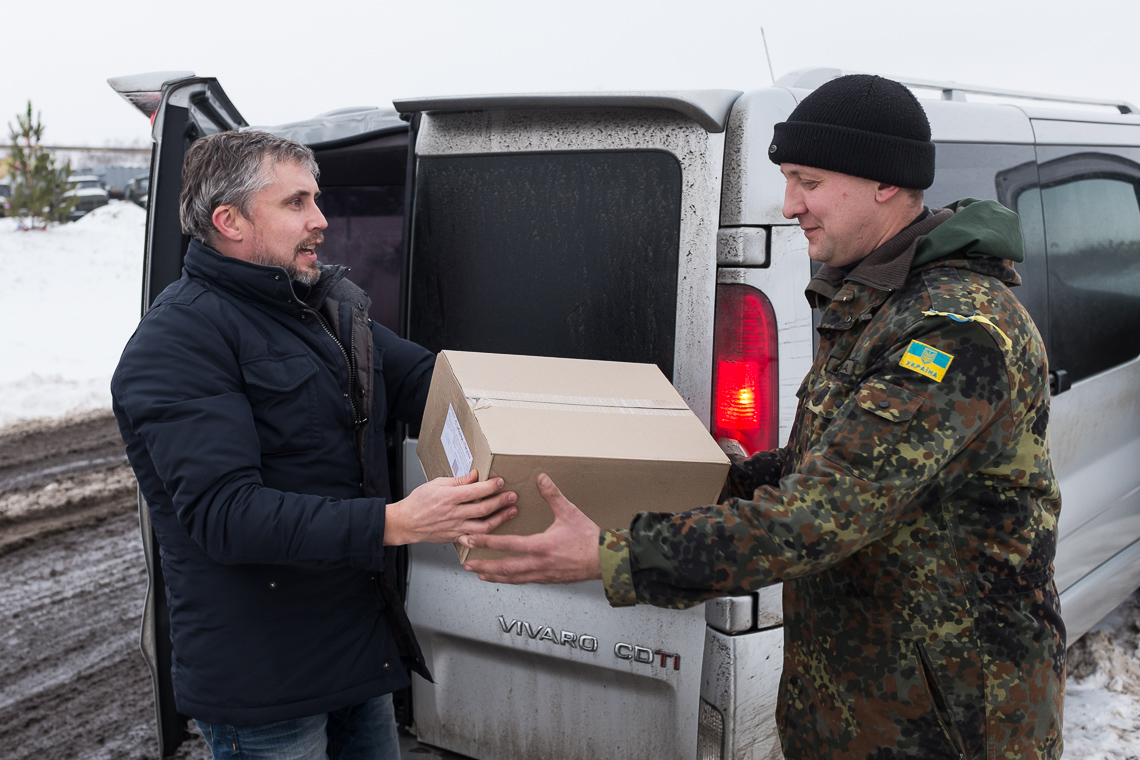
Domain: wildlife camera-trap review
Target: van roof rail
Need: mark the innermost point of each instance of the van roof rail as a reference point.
(812, 78)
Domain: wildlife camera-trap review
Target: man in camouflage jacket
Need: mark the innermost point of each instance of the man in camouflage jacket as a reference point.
(912, 516)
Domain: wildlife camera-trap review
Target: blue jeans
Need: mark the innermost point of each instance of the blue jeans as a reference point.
(366, 731)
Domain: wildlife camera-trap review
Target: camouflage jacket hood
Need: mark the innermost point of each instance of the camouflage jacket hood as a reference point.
(976, 229)
(911, 517)
(966, 229)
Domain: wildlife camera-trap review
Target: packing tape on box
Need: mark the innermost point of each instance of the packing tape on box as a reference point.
(483, 399)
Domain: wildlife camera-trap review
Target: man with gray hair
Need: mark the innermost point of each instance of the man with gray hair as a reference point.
(252, 400)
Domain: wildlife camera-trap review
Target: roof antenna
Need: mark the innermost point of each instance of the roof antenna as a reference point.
(766, 55)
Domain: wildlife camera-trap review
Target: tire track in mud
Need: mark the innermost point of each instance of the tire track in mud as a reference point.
(72, 681)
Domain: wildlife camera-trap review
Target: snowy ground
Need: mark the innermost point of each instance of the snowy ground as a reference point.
(70, 300)
(1102, 695)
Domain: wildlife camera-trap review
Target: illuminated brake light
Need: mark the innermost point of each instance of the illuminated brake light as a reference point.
(745, 375)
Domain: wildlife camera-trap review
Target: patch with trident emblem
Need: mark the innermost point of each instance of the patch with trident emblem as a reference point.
(926, 360)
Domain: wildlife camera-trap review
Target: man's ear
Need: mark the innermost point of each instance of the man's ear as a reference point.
(883, 192)
(229, 223)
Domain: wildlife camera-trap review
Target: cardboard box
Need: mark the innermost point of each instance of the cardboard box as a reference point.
(616, 437)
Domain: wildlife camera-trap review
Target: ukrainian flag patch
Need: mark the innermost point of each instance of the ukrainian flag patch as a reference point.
(926, 360)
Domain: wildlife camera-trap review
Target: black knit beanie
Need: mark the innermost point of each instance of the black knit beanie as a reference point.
(862, 125)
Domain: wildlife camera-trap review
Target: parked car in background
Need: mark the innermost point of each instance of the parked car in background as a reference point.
(137, 190)
(5, 194)
(88, 192)
(647, 227)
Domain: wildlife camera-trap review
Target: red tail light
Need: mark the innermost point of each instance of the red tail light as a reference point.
(745, 367)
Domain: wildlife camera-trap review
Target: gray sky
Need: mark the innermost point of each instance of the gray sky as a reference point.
(289, 60)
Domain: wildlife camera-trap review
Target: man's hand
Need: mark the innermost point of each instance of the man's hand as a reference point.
(440, 511)
(565, 552)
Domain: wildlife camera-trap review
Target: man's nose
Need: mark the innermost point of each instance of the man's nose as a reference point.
(318, 221)
(793, 203)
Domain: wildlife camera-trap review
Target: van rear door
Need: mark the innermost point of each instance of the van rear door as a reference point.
(182, 107)
(581, 227)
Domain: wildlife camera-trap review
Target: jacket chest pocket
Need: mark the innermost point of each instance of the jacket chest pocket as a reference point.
(824, 398)
(867, 425)
(282, 394)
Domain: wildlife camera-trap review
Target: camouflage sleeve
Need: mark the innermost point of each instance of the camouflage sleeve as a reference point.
(613, 551)
(746, 475)
(871, 447)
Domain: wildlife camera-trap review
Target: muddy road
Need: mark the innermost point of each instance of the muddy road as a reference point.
(72, 681)
(73, 684)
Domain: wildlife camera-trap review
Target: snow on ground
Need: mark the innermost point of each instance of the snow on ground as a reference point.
(69, 300)
(1102, 695)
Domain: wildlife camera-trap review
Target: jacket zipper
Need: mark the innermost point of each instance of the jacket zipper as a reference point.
(350, 362)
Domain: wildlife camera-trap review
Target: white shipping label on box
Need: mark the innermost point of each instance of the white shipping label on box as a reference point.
(455, 445)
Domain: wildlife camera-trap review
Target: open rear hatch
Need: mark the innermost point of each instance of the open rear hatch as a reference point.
(573, 226)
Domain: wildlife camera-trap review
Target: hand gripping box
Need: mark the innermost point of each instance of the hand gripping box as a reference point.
(616, 437)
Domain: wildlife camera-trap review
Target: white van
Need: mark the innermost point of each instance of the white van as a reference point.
(647, 227)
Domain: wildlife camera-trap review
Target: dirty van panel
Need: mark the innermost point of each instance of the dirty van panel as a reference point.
(560, 254)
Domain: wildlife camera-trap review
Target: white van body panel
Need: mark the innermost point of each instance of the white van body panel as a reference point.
(1095, 442)
(567, 700)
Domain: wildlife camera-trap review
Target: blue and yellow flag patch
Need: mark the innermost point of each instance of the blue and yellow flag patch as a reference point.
(926, 360)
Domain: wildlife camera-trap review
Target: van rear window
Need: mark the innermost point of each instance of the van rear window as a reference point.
(556, 254)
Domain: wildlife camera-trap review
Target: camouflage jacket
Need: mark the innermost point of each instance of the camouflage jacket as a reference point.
(912, 516)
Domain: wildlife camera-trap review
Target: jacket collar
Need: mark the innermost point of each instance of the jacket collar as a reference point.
(885, 268)
(257, 283)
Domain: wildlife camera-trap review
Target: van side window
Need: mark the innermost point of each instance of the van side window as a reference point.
(1034, 270)
(1092, 229)
(1007, 174)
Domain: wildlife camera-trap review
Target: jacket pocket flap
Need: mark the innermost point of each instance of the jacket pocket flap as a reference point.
(279, 373)
(826, 397)
(887, 400)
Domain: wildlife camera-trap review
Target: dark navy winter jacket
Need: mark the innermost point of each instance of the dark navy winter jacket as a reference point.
(259, 449)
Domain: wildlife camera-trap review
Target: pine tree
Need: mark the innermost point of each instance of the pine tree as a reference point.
(39, 185)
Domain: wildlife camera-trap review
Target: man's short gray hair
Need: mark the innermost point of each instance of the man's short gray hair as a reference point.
(228, 169)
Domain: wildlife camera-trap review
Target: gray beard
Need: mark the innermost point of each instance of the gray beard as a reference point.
(305, 276)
